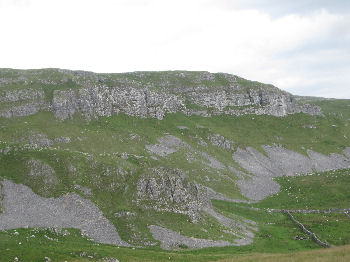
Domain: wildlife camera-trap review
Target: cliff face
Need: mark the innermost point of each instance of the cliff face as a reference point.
(105, 101)
(141, 94)
(22, 102)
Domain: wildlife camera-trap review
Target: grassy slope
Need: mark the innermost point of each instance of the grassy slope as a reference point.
(276, 231)
(339, 254)
(106, 139)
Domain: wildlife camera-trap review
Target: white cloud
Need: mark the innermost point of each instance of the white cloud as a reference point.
(119, 36)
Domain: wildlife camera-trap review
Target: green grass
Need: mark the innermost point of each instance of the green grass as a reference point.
(94, 159)
(317, 191)
(106, 138)
(338, 107)
(332, 228)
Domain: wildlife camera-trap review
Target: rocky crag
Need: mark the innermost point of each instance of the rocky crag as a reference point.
(141, 94)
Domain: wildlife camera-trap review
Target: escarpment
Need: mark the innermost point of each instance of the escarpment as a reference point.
(140, 94)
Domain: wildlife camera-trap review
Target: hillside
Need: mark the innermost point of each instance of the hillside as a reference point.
(175, 164)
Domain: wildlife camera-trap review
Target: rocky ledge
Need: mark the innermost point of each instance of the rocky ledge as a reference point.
(141, 94)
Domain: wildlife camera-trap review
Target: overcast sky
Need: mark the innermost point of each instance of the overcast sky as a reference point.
(302, 46)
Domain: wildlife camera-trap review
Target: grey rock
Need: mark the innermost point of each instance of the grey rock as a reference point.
(22, 102)
(23, 208)
(143, 95)
(21, 95)
(258, 188)
(247, 231)
(167, 145)
(288, 161)
(170, 190)
(39, 140)
(255, 101)
(110, 259)
(170, 239)
(281, 162)
(325, 163)
(86, 191)
(220, 141)
(40, 171)
(218, 196)
(95, 101)
(212, 161)
(125, 214)
(202, 142)
(62, 140)
(170, 144)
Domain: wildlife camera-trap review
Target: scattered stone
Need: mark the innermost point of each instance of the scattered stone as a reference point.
(281, 162)
(43, 173)
(297, 237)
(220, 141)
(110, 259)
(23, 208)
(172, 240)
(86, 191)
(39, 140)
(309, 126)
(167, 145)
(133, 136)
(125, 213)
(213, 162)
(202, 142)
(62, 139)
(125, 156)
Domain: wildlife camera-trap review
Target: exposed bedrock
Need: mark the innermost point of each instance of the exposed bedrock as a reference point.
(281, 162)
(142, 95)
(95, 101)
(23, 208)
(170, 190)
(22, 102)
(170, 144)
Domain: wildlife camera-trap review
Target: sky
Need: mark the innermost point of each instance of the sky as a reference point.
(301, 46)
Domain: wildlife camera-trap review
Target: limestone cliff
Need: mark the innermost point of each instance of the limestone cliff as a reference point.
(141, 94)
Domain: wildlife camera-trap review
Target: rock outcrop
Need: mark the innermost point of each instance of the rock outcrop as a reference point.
(42, 174)
(170, 190)
(141, 94)
(220, 141)
(98, 101)
(22, 102)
